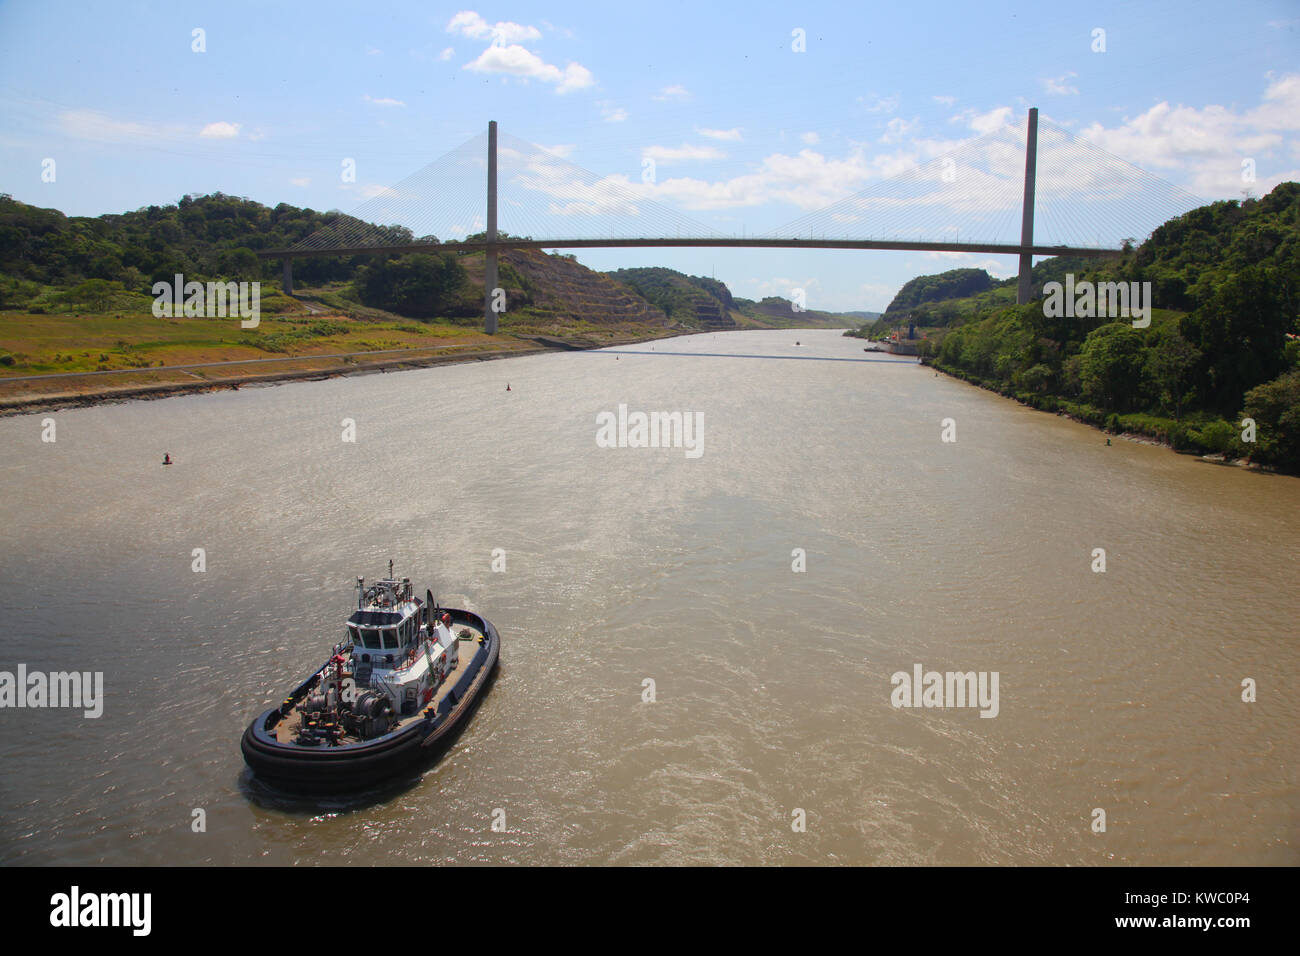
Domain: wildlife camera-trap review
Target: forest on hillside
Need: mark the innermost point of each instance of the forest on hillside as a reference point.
(675, 294)
(112, 260)
(1221, 346)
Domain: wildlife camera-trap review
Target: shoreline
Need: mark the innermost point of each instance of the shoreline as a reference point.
(1137, 438)
(540, 345)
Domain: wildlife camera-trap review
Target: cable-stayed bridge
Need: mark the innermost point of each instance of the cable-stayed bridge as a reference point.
(1031, 190)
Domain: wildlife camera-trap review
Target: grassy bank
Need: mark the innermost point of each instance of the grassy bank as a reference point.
(52, 360)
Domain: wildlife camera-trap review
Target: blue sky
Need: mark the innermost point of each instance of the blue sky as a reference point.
(745, 132)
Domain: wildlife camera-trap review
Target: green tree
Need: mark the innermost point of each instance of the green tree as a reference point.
(242, 263)
(1170, 364)
(1275, 407)
(1241, 330)
(1111, 366)
(418, 285)
(97, 294)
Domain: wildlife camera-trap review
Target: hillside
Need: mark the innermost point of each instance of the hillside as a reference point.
(52, 263)
(775, 312)
(556, 295)
(204, 237)
(1223, 344)
(704, 303)
(954, 284)
(688, 300)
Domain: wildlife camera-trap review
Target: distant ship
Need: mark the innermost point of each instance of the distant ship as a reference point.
(391, 697)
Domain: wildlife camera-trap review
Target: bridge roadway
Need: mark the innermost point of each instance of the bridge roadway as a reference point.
(901, 245)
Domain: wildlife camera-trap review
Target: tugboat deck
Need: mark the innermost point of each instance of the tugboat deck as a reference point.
(286, 729)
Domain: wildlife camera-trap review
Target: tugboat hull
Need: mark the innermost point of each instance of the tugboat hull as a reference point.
(355, 766)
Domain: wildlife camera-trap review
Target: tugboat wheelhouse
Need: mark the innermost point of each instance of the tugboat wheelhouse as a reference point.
(403, 681)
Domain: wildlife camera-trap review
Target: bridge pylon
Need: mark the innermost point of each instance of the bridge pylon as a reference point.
(1024, 287)
(490, 259)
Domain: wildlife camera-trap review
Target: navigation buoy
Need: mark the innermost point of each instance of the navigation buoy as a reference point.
(167, 459)
(507, 386)
(796, 343)
(1107, 441)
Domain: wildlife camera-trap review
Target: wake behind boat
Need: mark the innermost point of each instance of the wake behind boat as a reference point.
(390, 697)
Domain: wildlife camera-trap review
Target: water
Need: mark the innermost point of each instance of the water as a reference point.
(1118, 690)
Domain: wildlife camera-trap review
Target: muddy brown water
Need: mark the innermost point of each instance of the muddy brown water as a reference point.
(615, 567)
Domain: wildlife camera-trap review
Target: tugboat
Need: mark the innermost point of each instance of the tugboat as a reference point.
(390, 697)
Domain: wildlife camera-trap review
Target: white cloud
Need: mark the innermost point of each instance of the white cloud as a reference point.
(983, 123)
(897, 128)
(810, 139)
(374, 51)
(470, 24)
(611, 113)
(220, 130)
(447, 54)
(668, 154)
(300, 181)
(562, 31)
(102, 128)
(944, 100)
(732, 134)
(673, 92)
(563, 150)
(88, 124)
(1281, 107)
(1206, 144)
(514, 60)
(365, 190)
(808, 180)
(507, 55)
(1212, 141)
(383, 101)
(1060, 87)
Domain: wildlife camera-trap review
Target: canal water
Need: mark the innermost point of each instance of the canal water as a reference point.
(699, 641)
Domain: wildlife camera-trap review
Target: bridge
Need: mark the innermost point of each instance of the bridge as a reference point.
(981, 188)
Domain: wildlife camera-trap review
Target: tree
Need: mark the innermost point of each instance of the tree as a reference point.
(1275, 407)
(418, 285)
(1170, 364)
(97, 294)
(1241, 330)
(242, 263)
(1111, 366)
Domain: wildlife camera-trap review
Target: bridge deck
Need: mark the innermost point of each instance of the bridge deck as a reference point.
(996, 248)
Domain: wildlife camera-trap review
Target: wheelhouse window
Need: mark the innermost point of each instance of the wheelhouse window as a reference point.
(371, 638)
(390, 638)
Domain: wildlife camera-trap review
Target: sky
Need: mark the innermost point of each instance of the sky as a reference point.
(741, 116)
